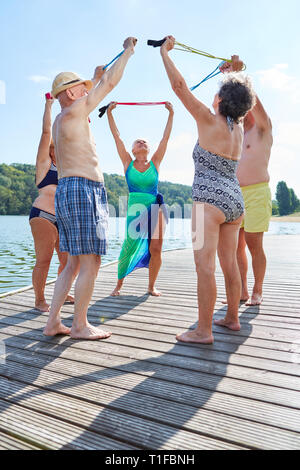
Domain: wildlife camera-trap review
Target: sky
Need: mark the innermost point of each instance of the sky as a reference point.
(41, 38)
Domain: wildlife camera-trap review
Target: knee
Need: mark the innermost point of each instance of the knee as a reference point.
(70, 269)
(230, 268)
(255, 247)
(155, 250)
(43, 263)
(205, 267)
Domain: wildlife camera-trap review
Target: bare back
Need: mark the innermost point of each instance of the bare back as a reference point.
(253, 166)
(75, 148)
(216, 137)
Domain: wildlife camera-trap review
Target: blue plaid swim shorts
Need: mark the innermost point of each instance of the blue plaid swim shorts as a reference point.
(82, 215)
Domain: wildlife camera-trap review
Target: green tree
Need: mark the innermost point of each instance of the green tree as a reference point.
(275, 210)
(294, 201)
(283, 198)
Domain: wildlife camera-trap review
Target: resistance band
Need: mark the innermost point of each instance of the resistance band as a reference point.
(185, 48)
(114, 59)
(140, 103)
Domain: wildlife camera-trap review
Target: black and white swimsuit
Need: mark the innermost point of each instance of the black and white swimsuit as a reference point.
(215, 183)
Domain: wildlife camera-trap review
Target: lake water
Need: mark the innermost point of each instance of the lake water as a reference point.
(17, 256)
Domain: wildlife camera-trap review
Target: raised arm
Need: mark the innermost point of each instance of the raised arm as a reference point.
(261, 117)
(98, 74)
(161, 150)
(43, 157)
(123, 154)
(110, 78)
(197, 109)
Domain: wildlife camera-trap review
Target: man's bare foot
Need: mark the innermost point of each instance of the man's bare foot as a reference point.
(70, 299)
(256, 299)
(192, 336)
(232, 325)
(42, 306)
(116, 292)
(154, 292)
(89, 332)
(57, 329)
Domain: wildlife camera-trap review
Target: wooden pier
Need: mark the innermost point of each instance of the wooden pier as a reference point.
(140, 389)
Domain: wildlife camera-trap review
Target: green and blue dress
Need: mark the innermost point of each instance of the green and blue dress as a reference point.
(144, 203)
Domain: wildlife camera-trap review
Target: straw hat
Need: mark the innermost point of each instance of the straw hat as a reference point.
(66, 80)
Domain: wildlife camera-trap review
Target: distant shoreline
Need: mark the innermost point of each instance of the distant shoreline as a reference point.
(286, 218)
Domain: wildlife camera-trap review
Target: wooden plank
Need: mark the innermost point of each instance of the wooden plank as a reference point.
(126, 327)
(264, 334)
(259, 410)
(50, 433)
(117, 366)
(243, 391)
(190, 351)
(215, 425)
(175, 360)
(8, 442)
(137, 431)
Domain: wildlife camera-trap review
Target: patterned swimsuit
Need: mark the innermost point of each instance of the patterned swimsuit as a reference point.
(215, 183)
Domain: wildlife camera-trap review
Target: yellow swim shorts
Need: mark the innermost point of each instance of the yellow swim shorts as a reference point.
(258, 207)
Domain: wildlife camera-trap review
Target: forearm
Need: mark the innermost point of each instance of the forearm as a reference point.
(168, 127)
(47, 119)
(176, 79)
(112, 125)
(109, 80)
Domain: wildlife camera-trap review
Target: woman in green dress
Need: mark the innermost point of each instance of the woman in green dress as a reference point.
(146, 215)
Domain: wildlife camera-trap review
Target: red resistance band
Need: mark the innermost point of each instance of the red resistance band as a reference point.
(141, 103)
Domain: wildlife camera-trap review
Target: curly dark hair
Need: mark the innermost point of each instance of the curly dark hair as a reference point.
(237, 96)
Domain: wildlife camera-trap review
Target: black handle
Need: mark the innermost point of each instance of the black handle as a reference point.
(154, 43)
(102, 110)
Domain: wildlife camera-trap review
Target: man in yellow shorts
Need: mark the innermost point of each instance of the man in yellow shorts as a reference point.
(254, 180)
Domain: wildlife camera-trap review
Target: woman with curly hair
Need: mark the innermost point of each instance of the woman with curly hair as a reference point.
(218, 202)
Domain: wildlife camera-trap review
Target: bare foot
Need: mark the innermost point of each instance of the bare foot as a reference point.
(235, 326)
(154, 292)
(42, 306)
(70, 299)
(192, 336)
(89, 332)
(116, 292)
(256, 299)
(242, 300)
(57, 329)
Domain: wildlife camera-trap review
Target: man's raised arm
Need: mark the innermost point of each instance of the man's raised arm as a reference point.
(261, 117)
(110, 78)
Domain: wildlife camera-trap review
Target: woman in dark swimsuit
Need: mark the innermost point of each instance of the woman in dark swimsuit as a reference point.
(218, 203)
(42, 215)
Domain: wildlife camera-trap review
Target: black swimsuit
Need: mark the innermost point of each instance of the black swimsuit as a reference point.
(50, 178)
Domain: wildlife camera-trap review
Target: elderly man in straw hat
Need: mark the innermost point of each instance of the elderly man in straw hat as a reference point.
(80, 202)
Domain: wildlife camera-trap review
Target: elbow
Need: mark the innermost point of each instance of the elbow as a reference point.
(109, 83)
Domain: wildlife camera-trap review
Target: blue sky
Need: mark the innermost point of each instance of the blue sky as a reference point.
(41, 38)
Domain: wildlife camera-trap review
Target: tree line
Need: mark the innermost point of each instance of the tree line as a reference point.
(18, 190)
